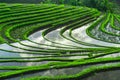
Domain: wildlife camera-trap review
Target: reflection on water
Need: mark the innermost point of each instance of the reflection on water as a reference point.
(79, 34)
(104, 36)
(107, 75)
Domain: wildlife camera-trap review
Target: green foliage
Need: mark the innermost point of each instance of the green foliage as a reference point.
(102, 5)
(67, 2)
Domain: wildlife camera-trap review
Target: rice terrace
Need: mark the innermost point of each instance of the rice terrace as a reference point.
(60, 40)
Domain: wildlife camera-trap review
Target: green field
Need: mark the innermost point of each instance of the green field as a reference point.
(58, 42)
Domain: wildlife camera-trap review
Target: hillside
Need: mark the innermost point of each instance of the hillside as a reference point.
(58, 42)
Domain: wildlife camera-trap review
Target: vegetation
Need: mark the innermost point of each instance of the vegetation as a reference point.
(86, 35)
(102, 5)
